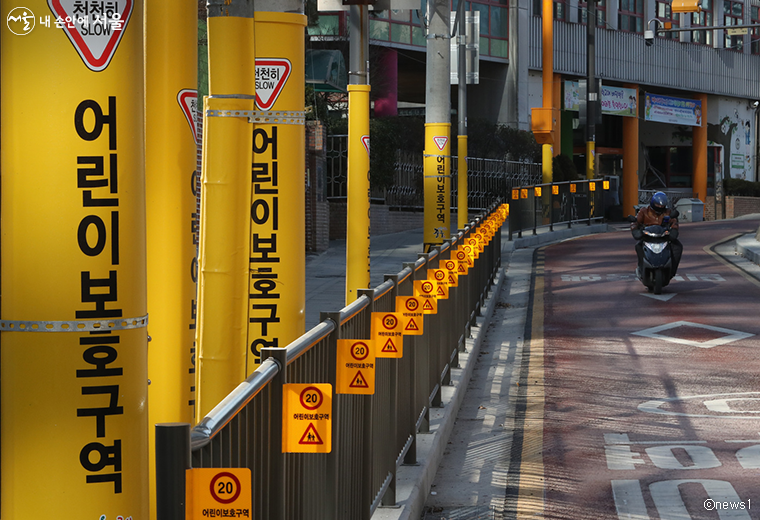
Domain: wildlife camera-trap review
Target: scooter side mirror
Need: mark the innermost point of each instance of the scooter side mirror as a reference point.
(674, 213)
(631, 218)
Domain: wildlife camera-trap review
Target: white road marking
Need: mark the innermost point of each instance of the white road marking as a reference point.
(654, 406)
(730, 335)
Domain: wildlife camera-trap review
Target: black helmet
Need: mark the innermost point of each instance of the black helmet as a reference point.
(659, 203)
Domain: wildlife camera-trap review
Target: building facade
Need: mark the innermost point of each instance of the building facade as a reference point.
(675, 69)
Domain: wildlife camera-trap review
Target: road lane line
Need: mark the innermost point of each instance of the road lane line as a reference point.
(530, 499)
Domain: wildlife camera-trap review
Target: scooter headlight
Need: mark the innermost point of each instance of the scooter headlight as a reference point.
(655, 247)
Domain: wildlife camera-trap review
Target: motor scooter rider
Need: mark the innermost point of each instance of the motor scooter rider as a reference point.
(654, 215)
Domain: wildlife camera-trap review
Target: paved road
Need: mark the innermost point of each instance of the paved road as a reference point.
(628, 406)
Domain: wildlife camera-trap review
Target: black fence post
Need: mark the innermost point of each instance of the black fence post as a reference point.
(278, 489)
(172, 460)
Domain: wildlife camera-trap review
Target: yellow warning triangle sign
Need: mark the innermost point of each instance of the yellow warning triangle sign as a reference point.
(462, 269)
(389, 346)
(412, 325)
(311, 436)
(427, 306)
(441, 291)
(359, 381)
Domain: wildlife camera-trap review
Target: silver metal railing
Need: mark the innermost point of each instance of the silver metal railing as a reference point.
(372, 435)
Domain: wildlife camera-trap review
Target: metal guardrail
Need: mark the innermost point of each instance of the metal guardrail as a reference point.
(569, 202)
(488, 180)
(372, 435)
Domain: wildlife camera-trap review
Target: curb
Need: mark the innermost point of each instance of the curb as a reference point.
(749, 248)
(413, 483)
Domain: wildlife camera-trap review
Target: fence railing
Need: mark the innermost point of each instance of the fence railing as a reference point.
(569, 202)
(372, 434)
(488, 180)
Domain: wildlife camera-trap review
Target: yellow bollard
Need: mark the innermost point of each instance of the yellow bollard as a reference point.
(74, 313)
(437, 187)
(171, 76)
(221, 335)
(277, 277)
(358, 210)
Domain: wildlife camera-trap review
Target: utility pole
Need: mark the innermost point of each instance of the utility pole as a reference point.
(462, 210)
(591, 91)
(437, 125)
(358, 204)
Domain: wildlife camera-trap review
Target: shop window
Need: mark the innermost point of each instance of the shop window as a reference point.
(631, 16)
(733, 14)
(703, 18)
(601, 13)
(665, 15)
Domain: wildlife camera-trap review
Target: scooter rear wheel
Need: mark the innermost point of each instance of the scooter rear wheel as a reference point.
(658, 281)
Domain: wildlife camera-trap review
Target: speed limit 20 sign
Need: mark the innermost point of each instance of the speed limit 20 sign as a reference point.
(211, 490)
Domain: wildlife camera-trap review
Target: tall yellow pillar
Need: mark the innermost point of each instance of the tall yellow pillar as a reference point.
(358, 207)
(277, 251)
(699, 146)
(437, 188)
(630, 179)
(222, 329)
(74, 378)
(171, 76)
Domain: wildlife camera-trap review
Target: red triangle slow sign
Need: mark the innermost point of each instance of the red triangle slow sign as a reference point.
(365, 142)
(271, 76)
(94, 32)
(188, 102)
(440, 141)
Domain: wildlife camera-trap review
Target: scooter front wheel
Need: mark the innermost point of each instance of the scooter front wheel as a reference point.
(658, 281)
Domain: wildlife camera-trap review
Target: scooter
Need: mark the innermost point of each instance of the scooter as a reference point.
(656, 270)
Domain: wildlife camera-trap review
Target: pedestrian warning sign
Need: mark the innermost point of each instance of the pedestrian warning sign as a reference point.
(356, 367)
(95, 34)
(311, 436)
(209, 489)
(271, 76)
(425, 290)
(387, 331)
(306, 418)
(410, 308)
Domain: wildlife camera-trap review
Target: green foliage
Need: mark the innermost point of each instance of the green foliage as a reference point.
(563, 169)
(493, 141)
(741, 188)
(389, 134)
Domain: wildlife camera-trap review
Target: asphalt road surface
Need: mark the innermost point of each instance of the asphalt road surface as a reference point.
(636, 406)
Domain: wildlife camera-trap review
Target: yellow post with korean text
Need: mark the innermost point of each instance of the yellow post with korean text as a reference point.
(437, 186)
(74, 378)
(357, 203)
(277, 296)
(171, 96)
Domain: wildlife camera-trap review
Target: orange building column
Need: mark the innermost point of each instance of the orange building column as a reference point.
(631, 159)
(699, 147)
